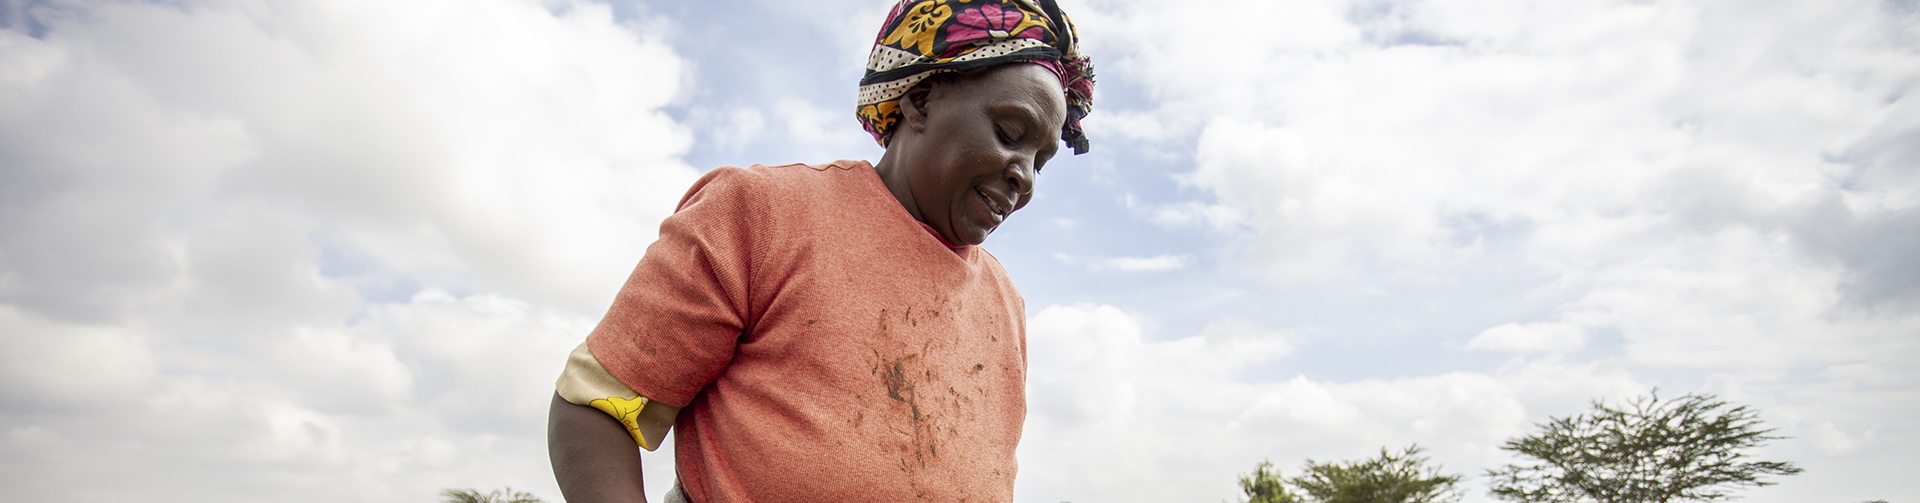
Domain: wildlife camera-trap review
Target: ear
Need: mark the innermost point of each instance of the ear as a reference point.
(913, 106)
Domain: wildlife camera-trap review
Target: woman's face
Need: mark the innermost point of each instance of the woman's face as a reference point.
(974, 147)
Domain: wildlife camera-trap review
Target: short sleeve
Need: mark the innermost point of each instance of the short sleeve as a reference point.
(584, 382)
(673, 326)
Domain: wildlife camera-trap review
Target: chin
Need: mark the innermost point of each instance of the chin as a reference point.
(971, 240)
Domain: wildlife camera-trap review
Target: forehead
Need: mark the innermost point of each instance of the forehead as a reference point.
(1021, 85)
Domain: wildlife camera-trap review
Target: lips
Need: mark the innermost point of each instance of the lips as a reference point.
(999, 206)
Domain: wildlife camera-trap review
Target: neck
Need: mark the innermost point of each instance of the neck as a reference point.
(894, 175)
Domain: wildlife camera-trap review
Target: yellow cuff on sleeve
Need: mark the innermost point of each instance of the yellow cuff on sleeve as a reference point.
(585, 382)
(628, 412)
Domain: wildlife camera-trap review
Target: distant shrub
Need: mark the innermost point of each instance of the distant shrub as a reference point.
(507, 495)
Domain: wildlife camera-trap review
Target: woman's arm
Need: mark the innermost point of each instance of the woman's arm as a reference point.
(593, 456)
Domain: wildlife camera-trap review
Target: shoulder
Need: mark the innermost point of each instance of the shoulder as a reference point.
(987, 262)
(786, 177)
(786, 185)
(989, 267)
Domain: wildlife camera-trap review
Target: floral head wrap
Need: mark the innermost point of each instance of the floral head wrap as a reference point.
(925, 37)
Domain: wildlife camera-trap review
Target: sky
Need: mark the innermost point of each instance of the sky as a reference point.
(337, 250)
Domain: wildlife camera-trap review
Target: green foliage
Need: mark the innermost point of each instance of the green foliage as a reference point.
(1402, 477)
(507, 495)
(1264, 486)
(1650, 451)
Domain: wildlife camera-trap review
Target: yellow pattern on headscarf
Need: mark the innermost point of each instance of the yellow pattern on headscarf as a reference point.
(881, 114)
(922, 23)
(1031, 19)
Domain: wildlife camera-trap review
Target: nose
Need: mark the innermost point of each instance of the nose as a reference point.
(1020, 175)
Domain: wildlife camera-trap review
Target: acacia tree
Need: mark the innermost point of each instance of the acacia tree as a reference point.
(1265, 486)
(1650, 451)
(507, 495)
(1402, 477)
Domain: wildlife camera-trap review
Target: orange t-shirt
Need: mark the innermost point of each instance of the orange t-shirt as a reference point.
(826, 345)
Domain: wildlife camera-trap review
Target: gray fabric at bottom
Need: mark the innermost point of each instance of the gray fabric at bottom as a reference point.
(677, 495)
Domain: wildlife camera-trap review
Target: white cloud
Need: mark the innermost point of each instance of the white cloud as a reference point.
(737, 129)
(332, 368)
(1530, 338)
(480, 145)
(1687, 188)
(1127, 264)
(1154, 263)
(1117, 415)
(1361, 147)
(827, 132)
(1111, 410)
(1737, 300)
(413, 397)
(217, 217)
(41, 355)
(1217, 217)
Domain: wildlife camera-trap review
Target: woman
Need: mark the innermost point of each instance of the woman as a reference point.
(833, 332)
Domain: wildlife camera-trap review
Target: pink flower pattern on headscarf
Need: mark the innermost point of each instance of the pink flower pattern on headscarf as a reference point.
(990, 22)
